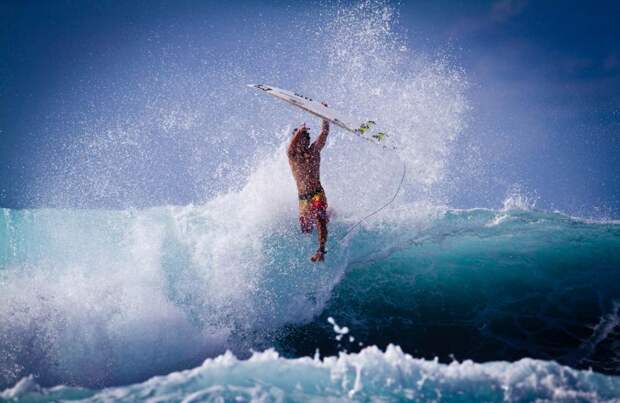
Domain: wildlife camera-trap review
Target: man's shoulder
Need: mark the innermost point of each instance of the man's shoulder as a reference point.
(293, 157)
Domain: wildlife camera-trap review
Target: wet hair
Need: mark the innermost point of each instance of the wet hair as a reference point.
(304, 131)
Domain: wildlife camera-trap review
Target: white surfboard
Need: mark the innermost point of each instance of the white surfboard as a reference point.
(364, 130)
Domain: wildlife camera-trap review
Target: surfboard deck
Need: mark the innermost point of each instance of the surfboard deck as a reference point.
(365, 130)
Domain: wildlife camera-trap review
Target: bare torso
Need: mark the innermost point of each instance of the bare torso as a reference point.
(306, 169)
(305, 161)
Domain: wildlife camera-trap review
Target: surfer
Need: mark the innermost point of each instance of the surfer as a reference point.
(305, 161)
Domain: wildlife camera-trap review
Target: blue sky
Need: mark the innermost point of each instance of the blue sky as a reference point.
(544, 88)
(546, 91)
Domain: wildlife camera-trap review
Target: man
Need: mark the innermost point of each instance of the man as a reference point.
(305, 161)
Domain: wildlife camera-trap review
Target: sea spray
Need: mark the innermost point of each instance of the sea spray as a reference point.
(98, 297)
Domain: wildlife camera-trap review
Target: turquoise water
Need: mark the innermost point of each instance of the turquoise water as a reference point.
(101, 298)
(510, 284)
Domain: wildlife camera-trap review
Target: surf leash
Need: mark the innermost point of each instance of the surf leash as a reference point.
(402, 179)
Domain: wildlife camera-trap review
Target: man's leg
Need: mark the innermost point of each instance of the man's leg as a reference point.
(305, 224)
(319, 256)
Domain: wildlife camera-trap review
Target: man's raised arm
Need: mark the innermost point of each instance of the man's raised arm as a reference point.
(322, 139)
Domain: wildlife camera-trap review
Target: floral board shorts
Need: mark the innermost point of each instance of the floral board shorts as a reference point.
(312, 207)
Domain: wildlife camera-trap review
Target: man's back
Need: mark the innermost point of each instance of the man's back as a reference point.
(306, 168)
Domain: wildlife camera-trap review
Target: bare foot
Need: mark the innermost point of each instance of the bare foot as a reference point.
(319, 256)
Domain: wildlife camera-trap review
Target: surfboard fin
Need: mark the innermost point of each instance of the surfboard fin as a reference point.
(364, 127)
(379, 136)
(368, 125)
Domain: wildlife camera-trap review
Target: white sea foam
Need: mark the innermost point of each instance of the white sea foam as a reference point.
(371, 374)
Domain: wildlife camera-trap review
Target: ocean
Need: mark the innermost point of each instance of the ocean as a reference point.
(217, 300)
(511, 304)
